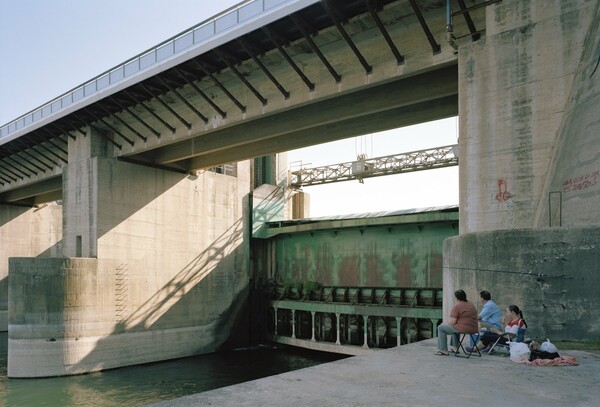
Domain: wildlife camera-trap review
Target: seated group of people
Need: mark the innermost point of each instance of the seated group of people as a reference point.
(464, 320)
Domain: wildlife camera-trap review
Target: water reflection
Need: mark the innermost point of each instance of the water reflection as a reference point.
(140, 385)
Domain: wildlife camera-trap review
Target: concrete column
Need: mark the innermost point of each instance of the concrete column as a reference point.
(516, 88)
(337, 321)
(434, 328)
(293, 323)
(366, 328)
(81, 178)
(313, 326)
(275, 322)
(398, 331)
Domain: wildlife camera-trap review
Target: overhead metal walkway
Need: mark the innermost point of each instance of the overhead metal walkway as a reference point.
(428, 159)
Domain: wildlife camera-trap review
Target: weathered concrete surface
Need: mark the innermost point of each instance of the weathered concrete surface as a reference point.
(412, 375)
(528, 116)
(166, 273)
(530, 160)
(551, 274)
(34, 232)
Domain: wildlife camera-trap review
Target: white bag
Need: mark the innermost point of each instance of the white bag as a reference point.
(519, 352)
(548, 347)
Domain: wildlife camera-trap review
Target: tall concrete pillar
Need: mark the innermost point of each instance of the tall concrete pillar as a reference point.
(515, 86)
(529, 166)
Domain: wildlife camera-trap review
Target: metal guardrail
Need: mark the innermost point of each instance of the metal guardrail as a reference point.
(193, 36)
(427, 159)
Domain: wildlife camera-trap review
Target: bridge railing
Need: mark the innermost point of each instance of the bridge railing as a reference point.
(194, 36)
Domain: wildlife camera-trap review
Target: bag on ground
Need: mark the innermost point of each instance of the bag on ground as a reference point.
(519, 351)
(548, 347)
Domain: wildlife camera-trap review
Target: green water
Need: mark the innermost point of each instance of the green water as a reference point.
(140, 385)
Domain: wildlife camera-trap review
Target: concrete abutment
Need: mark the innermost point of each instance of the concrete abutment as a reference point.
(155, 267)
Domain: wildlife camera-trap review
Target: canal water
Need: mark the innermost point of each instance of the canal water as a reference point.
(140, 385)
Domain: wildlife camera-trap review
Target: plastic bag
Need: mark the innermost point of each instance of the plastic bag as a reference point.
(548, 347)
(519, 352)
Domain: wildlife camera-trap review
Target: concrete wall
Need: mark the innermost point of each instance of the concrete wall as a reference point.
(551, 274)
(33, 232)
(169, 278)
(514, 88)
(571, 196)
(529, 148)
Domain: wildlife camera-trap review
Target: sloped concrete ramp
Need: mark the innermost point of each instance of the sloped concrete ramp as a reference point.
(413, 376)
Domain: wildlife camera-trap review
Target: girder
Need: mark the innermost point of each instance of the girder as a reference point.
(428, 159)
(291, 60)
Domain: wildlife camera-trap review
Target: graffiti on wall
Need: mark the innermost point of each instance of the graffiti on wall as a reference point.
(581, 182)
(503, 194)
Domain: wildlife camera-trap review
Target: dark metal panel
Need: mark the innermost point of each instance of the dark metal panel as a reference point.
(387, 255)
(223, 56)
(302, 27)
(184, 100)
(8, 170)
(41, 144)
(208, 100)
(152, 113)
(435, 47)
(336, 20)
(135, 116)
(474, 34)
(113, 129)
(123, 122)
(275, 40)
(249, 50)
(386, 35)
(18, 165)
(25, 150)
(209, 74)
(154, 96)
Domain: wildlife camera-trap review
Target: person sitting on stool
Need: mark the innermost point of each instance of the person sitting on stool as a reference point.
(491, 314)
(463, 319)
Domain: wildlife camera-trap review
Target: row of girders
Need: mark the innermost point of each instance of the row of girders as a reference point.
(130, 115)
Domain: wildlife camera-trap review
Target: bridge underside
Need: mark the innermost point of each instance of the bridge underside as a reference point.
(332, 70)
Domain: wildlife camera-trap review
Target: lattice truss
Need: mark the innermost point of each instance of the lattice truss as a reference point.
(439, 157)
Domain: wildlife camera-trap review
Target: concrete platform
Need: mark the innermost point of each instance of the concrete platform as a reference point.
(413, 376)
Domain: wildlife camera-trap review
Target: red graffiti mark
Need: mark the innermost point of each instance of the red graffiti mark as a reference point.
(503, 194)
(581, 182)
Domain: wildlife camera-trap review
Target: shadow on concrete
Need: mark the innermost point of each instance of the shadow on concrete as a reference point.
(211, 291)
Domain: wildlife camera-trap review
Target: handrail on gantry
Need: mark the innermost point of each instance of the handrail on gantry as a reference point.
(439, 157)
(194, 36)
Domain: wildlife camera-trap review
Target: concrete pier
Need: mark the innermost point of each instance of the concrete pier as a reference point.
(411, 375)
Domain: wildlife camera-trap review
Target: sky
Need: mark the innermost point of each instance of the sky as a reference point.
(50, 47)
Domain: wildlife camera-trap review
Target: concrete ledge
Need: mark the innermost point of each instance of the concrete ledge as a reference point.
(350, 350)
(60, 357)
(413, 376)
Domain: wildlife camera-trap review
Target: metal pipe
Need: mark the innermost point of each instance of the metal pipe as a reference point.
(449, 29)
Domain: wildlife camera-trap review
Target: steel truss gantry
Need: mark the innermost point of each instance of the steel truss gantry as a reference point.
(428, 159)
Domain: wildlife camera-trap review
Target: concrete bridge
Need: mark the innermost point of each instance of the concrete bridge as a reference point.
(160, 162)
